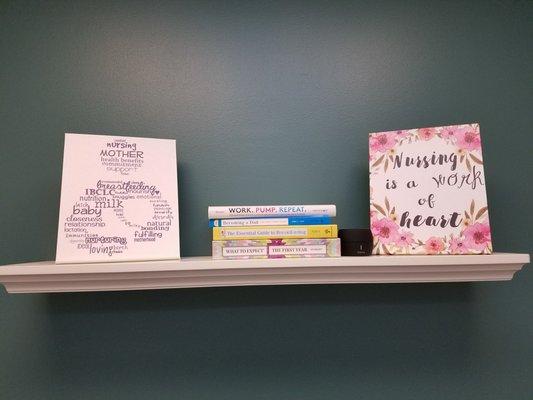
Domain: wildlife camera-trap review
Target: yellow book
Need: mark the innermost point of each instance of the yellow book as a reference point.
(275, 232)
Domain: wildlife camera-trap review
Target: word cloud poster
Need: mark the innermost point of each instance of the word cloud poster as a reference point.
(119, 200)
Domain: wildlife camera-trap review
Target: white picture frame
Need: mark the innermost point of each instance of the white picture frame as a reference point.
(119, 200)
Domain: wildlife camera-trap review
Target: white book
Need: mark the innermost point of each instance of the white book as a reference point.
(215, 212)
(272, 221)
(251, 222)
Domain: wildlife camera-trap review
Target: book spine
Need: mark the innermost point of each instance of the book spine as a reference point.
(286, 248)
(274, 232)
(285, 221)
(215, 212)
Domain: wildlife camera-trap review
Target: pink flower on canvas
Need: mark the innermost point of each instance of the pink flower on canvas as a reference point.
(450, 132)
(402, 134)
(385, 230)
(477, 236)
(381, 142)
(434, 245)
(405, 239)
(468, 139)
(458, 246)
(427, 133)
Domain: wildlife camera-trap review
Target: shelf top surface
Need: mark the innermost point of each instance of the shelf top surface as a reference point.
(207, 263)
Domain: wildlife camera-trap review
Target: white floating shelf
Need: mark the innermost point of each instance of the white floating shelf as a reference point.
(47, 276)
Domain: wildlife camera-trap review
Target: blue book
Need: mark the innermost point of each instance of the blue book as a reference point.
(276, 221)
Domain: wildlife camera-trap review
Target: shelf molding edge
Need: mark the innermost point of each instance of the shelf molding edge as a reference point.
(196, 272)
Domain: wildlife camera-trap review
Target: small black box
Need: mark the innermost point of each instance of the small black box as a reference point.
(356, 242)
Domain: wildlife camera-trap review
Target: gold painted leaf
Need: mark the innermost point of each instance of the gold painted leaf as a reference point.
(468, 165)
(379, 208)
(472, 207)
(481, 211)
(378, 161)
(387, 205)
(475, 159)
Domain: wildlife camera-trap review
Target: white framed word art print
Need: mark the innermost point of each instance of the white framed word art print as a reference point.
(427, 191)
(119, 199)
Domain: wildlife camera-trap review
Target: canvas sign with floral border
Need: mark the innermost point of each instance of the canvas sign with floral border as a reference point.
(427, 192)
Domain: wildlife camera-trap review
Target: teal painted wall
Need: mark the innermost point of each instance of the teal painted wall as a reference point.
(269, 102)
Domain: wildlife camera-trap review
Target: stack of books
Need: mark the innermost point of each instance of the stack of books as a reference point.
(294, 231)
